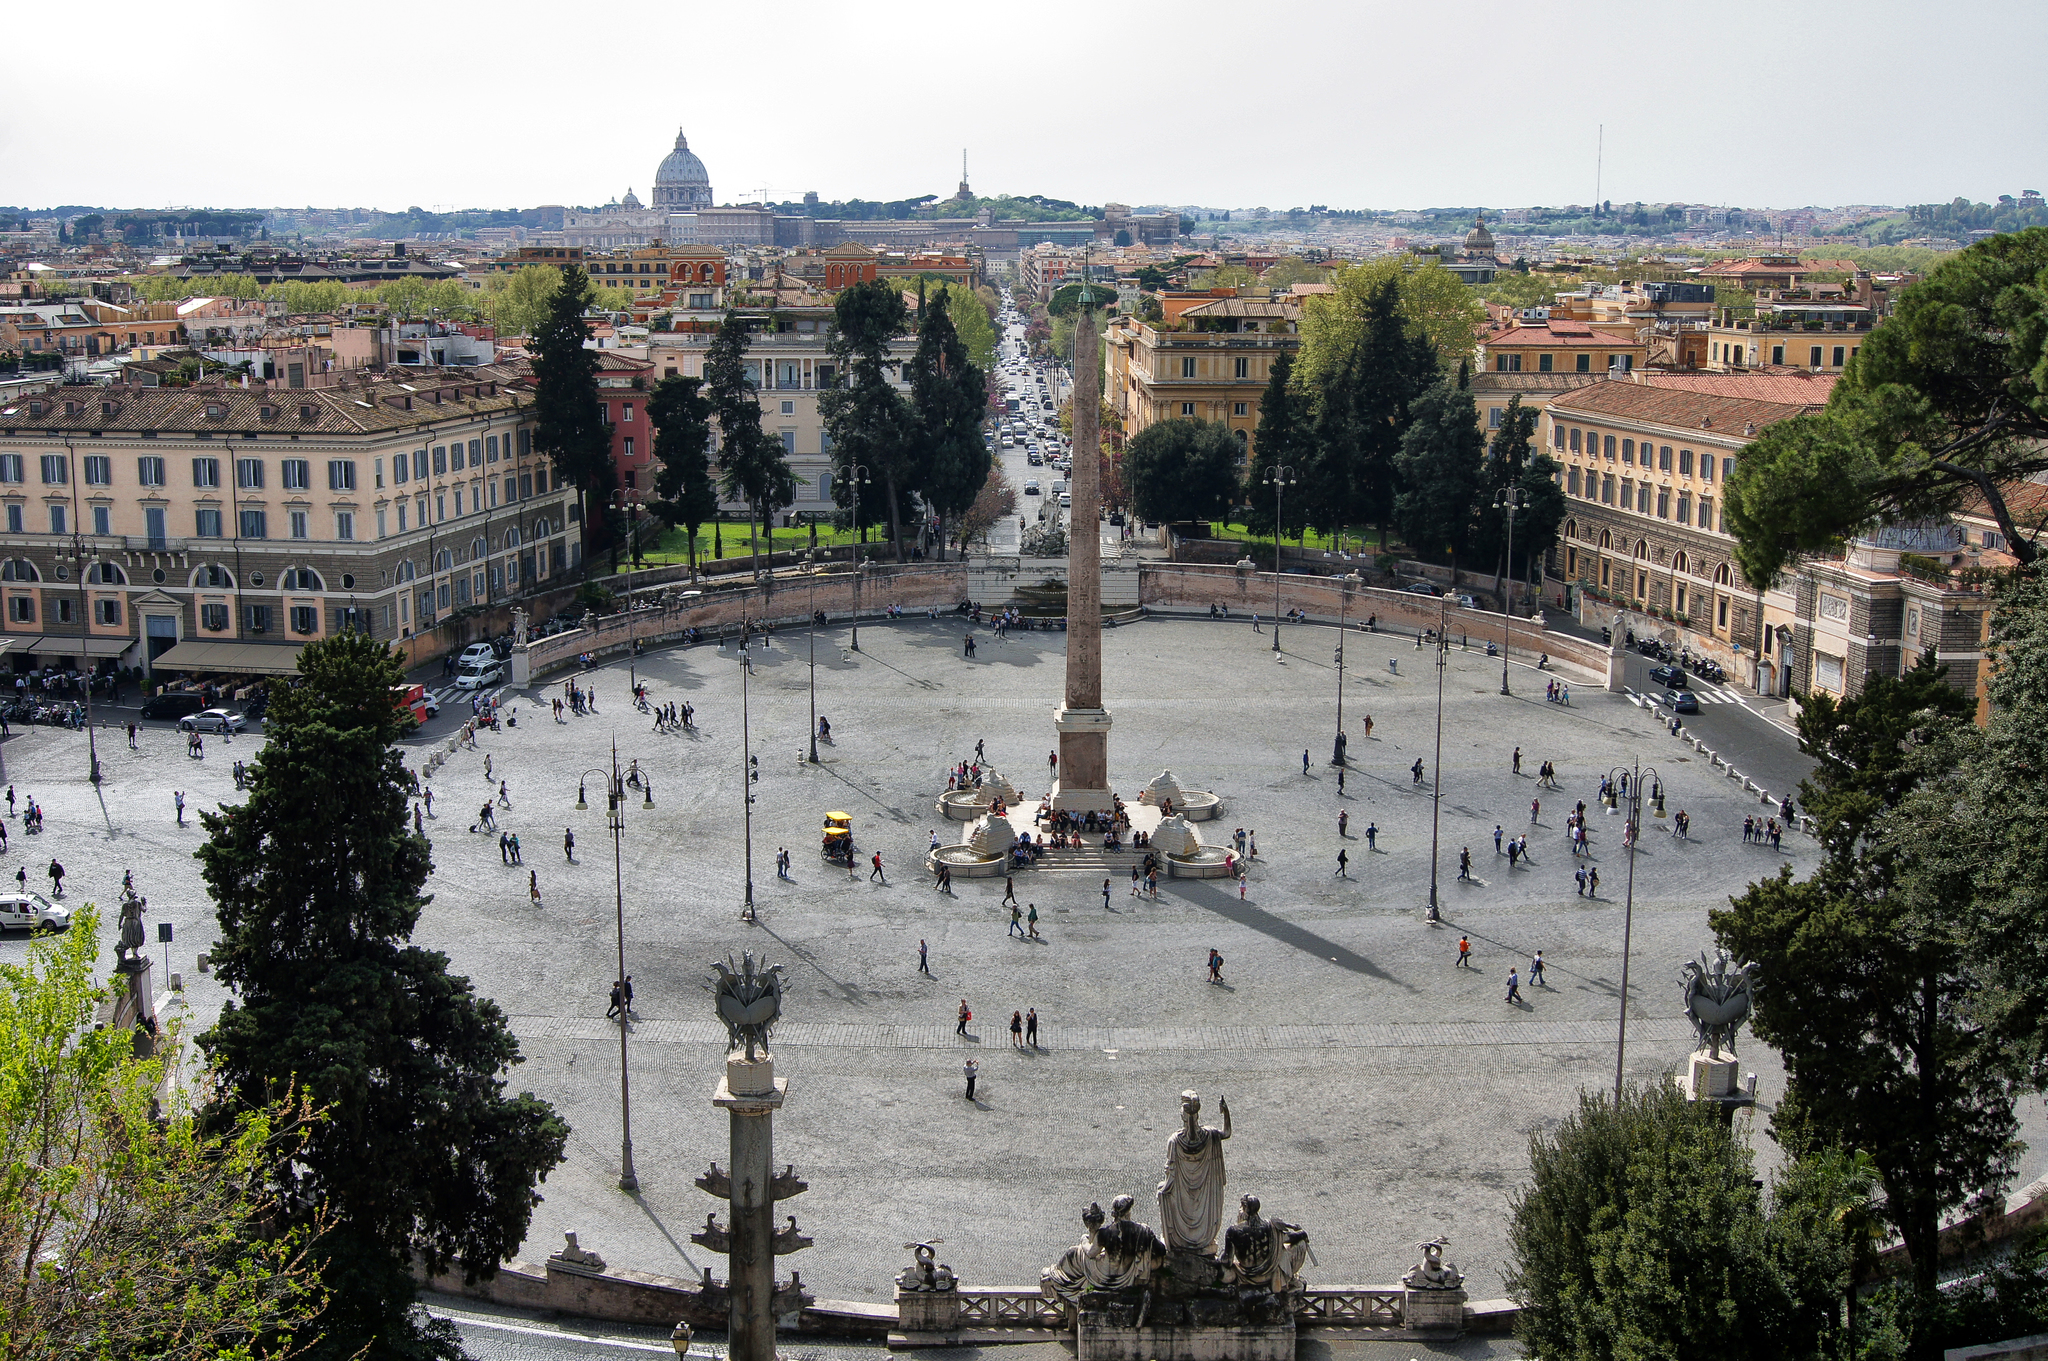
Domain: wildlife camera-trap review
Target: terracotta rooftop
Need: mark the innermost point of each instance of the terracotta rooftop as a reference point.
(347, 408)
(1800, 387)
(1680, 408)
(1560, 333)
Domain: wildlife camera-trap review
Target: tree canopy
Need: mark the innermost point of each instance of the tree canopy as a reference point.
(681, 417)
(1430, 299)
(1443, 473)
(871, 425)
(568, 426)
(1944, 402)
(948, 400)
(752, 464)
(1182, 469)
(422, 1158)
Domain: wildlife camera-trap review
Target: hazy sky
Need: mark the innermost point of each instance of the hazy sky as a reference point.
(1352, 103)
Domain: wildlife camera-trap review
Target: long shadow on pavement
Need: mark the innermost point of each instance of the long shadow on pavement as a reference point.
(1286, 932)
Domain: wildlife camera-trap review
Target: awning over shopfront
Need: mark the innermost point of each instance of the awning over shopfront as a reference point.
(63, 645)
(236, 659)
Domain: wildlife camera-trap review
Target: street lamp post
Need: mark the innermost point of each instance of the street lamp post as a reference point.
(859, 474)
(1280, 475)
(1436, 790)
(1632, 832)
(1350, 582)
(615, 818)
(1510, 500)
(750, 773)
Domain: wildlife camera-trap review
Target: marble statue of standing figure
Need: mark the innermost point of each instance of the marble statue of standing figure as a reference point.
(1191, 1197)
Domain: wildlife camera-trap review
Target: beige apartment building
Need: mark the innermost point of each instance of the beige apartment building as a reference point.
(1212, 363)
(156, 525)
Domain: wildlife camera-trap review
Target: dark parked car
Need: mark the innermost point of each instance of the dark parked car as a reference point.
(1682, 701)
(176, 704)
(1669, 675)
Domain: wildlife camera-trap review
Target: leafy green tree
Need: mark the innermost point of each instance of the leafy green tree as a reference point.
(517, 303)
(568, 426)
(1945, 401)
(422, 1159)
(1362, 409)
(1429, 299)
(682, 447)
(1877, 978)
(328, 295)
(1182, 469)
(1284, 438)
(969, 311)
(1443, 473)
(871, 425)
(752, 465)
(1514, 461)
(1641, 1234)
(128, 1231)
(948, 399)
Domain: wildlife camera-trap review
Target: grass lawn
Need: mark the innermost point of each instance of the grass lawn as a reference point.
(1354, 541)
(665, 548)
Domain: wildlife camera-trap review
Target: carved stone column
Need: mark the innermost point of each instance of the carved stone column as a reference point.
(1082, 722)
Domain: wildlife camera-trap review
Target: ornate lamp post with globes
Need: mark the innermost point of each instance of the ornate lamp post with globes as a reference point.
(615, 819)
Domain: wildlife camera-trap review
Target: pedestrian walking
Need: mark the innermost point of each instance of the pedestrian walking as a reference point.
(1343, 822)
(1134, 880)
(1465, 863)
(1372, 836)
(1052, 765)
(973, 1071)
(504, 798)
(21, 877)
(1340, 782)
(1514, 852)
(1518, 760)
(1031, 921)
(487, 768)
(1593, 882)
(1535, 807)
(569, 844)
(1416, 770)
(924, 962)
(1464, 953)
(177, 797)
(1016, 920)
(1242, 879)
(429, 798)
(1105, 895)
(1514, 988)
(1497, 834)
(1343, 864)
(876, 872)
(1536, 970)
(1016, 1030)
(504, 846)
(1031, 1027)
(56, 873)
(1215, 966)
(965, 1017)
(533, 886)
(131, 738)
(618, 1003)
(518, 858)
(1580, 875)
(1304, 760)
(1251, 843)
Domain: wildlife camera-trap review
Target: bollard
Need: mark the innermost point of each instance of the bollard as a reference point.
(177, 982)
(206, 964)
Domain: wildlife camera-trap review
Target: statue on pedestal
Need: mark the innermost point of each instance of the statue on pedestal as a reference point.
(1717, 998)
(1433, 1272)
(1191, 1197)
(128, 956)
(1263, 1255)
(1113, 1255)
(749, 1002)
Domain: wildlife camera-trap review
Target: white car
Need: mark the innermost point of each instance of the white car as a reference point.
(476, 675)
(1067, 500)
(213, 720)
(30, 911)
(477, 652)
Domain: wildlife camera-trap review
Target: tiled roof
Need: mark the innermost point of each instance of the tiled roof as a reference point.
(1557, 333)
(2028, 502)
(355, 408)
(1800, 387)
(1245, 307)
(1679, 408)
(1492, 380)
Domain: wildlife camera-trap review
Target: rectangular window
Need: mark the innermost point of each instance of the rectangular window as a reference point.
(1706, 467)
(525, 440)
(1543, 363)
(1607, 489)
(626, 413)
(1241, 409)
(299, 524)
(64, 610)
(206, 472)
(1572, 480)
(1187, 366)
(1514, 363)
(257, 617)
(249, 473)
(476, 453)
(604, 411)
(540, 480)
(1500, 363)
(1814, 361)
(10, 467)
(440, 507)
(1642, 584)
(1628, 492)
(381, 522)
(1841, 356)
(102, 520)
(1187, 408)
(1643, 499)
(1244, 368)
(1706, 512)
(254, 524)
(56, 469)
(525, 488)
(1557, 432)
(344, 524)
(490, 448)
(59, 524)
(419, 465)
(788, 443)
(1685, 507)
(1585, 363)
(213, 617)
(1663, 503)
(305, 618)
(109, 612)
(1575, 439)
(1685, 463)
(21, 609)
(1777, 356)
(398, 469)
(1664, 458)
(206, 524)
(341, 474)
(440, 458)
(1607, 447)
(99, 470)
(401, 517)
(152, 523)
(298, 474)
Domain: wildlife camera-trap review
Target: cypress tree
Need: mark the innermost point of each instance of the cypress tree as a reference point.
(568, 427)
(870, 424)
(752, 466)
(681, 417)
(1284, 436)
(423, 1159)
(949, 398)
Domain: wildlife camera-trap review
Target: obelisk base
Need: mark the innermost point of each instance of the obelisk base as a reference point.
(1083, 783)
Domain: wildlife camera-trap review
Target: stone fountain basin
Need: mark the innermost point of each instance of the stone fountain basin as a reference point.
(1205, 863)
(963, 805)
(965, 861)
(1197, 805)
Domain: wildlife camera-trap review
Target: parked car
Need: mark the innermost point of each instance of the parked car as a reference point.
(1682, 701)
(1461, 599)
(30, 911)
(213, 720)
(1670, 676)
(1419, 588)
(174, 704)
(476, 675)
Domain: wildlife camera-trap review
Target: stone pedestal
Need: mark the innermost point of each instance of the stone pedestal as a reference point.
(752, 1094)
(1099, 1341)
(1440, 1312)
(1715, 1078)
(1083, 782)
(925, 1312)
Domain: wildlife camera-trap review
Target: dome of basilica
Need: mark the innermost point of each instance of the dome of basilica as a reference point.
(1478, 241)
(682, 184)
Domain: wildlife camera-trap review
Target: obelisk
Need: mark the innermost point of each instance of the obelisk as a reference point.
(1082, 722)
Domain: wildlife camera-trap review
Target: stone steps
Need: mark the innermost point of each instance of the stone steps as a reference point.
(1097, 861)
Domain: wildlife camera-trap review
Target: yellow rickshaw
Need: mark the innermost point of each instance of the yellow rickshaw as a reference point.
(837, 845)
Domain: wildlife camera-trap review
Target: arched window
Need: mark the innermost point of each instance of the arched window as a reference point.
(1643, 549)
(106, 574)
(300, 579)
(512, 537)
(443, 560)
(407, 571)
(1678, 562)
(477, 549)
(1721, 576)
(212, 576)
(19, 569)
(540, 528)
(1606, 539)
(1571, 529)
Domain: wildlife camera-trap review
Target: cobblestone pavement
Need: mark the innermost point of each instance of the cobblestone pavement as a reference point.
(1380, 1094)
